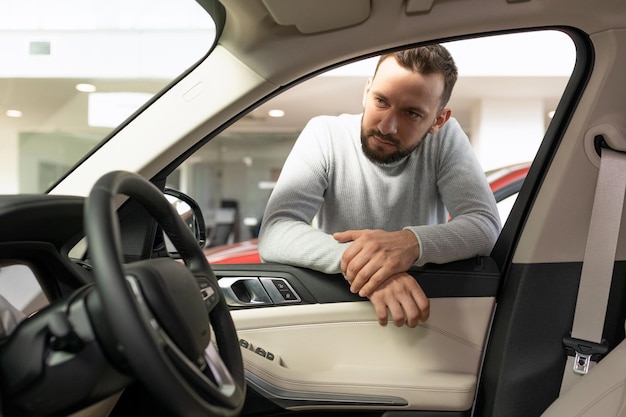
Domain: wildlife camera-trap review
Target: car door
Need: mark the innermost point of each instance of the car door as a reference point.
(311, 346)
(308, 343)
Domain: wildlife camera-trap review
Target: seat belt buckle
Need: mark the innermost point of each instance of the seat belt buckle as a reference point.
(582, 363)
(584, 352)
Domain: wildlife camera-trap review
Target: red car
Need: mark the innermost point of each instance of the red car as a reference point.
(244, 252)
(505, 182)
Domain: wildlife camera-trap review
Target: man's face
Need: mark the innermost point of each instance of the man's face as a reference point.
(400, 108)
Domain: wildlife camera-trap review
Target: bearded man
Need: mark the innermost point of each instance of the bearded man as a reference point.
(396, 186)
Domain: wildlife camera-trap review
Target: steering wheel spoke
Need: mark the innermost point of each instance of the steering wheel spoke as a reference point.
(209, 374)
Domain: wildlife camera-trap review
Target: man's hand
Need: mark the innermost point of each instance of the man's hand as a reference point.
(402, 296)
(375, 255)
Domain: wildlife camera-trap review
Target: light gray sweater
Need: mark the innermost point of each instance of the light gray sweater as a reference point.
(326, 174)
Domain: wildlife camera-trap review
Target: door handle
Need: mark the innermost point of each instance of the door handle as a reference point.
(257, 291)
(244, 291)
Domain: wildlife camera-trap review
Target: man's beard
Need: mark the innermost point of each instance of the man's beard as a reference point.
(377, 156)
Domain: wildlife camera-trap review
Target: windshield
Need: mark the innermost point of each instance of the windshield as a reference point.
(73, 70)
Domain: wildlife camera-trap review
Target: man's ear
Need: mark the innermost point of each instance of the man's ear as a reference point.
(368, 84)
(442, 118)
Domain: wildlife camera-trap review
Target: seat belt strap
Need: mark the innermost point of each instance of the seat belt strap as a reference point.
(597, 270)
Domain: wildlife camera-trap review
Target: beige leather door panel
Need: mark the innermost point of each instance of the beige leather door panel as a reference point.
(336, 355)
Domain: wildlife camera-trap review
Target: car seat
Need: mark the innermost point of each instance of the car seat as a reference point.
(600, 393)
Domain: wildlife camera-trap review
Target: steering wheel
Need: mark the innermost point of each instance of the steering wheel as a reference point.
(161, 311)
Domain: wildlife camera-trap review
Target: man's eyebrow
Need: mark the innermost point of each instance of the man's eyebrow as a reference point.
(413, 108)
(416, 109)
(378, 94)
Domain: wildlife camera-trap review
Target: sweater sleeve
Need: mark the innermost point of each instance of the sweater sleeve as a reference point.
(475, 222)
(287, 235)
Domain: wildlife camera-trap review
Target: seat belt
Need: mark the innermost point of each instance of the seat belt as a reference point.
(585, 344)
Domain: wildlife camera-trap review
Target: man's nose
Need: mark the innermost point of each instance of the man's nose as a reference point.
(388, 125)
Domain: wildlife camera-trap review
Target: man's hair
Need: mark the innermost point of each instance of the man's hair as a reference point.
(430, 59)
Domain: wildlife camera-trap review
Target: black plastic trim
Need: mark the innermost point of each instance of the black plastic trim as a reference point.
(476, 277)
(427, 413)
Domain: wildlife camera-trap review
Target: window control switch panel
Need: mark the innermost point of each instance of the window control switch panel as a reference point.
(279, 290)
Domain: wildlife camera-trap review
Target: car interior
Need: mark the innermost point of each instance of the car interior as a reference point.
(110, 308)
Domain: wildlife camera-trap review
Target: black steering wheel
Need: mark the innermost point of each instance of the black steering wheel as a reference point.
(160, 311)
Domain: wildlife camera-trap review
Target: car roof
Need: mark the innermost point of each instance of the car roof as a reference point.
(261, 46)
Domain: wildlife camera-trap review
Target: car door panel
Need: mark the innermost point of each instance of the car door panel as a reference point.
(327, 351)
(339, 353)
